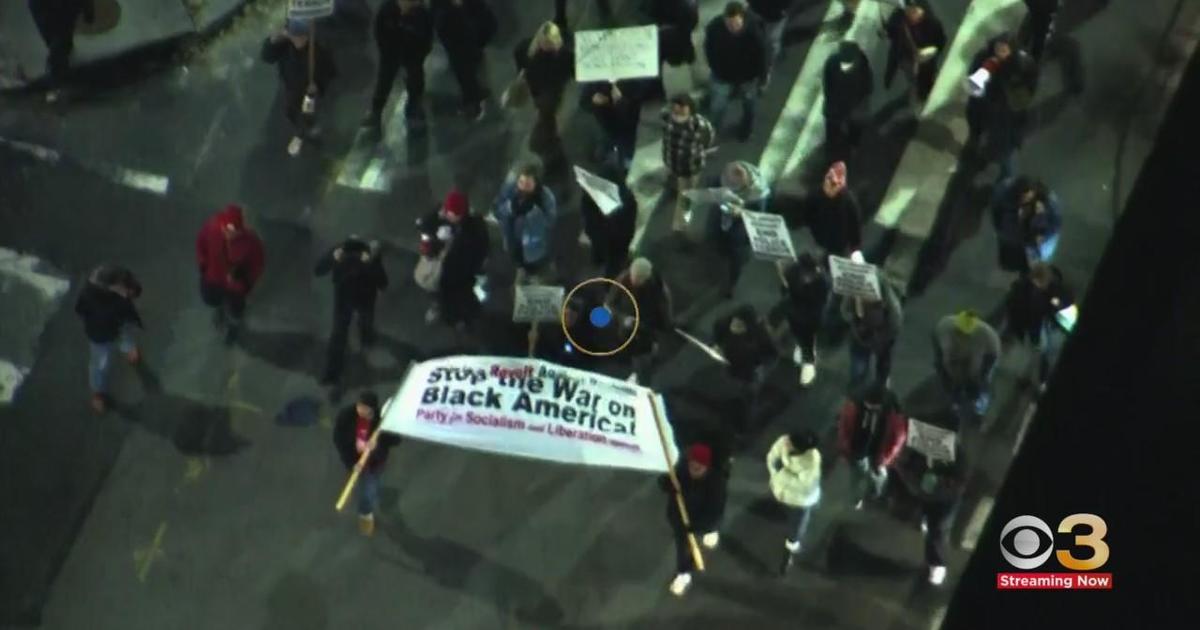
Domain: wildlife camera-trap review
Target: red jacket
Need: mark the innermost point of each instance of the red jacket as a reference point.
(895, 434)
(234, 263)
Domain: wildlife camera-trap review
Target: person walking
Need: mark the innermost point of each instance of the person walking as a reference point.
(848, 85)
(356, 268)
(303, 82)
(1033, 301)
(736, 50)
(1038, 27)
(527, 211)
(106, 307)
(356, 431)
(464, 237)
(742, 338)
(938, 487)
(794, 467)
(773, 15)
(687, 140)
(871, 434)
(1001, 84)
(966, 350)
(874, 328)
(609, 235)
(676, 19)
(805, 290)
(466, 28)
(231, 259)
(617, 108)
(916, 38)
(404, 38)
(833, 215)
(703, 486)
(546, 63)
(655, 315)
(1027, 216)
(726, 227)
(55, 21)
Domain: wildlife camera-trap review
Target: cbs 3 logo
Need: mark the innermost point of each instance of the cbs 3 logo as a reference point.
(1023, 538)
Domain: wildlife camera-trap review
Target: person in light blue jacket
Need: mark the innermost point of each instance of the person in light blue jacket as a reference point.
(527, 210)
(750, 192)
(1028, 219)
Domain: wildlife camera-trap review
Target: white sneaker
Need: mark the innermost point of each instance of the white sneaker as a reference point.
(432, 315)
(924, 527)
(808, 373)
(711, 540)
(937, 575)
(680, 584)
(793, 547)
(294, 146)
(52, 96)
(858, 506)
(797, 356)
(584, 241)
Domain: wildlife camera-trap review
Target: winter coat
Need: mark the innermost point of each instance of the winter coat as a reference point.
(795, 477)
(345, 430)
(936, 481)
(963, 360)
(880, 437)
(612, 234)
(676, 19)
(656, 311)
(770, 11)
(753, 195)
(804, 302)
(927, 32)
(1012, 85)
(684, 144)
(464, 30)
(546, 73)
(879, 325)
(469, 247)
(835, 223)
(736, 58)
(356, 283)
(704, 498)
(104, 311)
(747, 352)
(233, 264)
(526, 223)
(1022, 232)
(1030, 309)
(404, 37)
(622, 117)
(292, 65)
(847, 92)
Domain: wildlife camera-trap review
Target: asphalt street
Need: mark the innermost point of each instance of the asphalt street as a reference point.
(194, 507)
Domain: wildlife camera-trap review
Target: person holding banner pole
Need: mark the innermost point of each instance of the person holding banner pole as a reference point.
(702, 490)
(404, 38)
(305, 68)
(871, 434)
(794, 467)
(966, 350)
(874, 327)
(736, 49)
(355, 432)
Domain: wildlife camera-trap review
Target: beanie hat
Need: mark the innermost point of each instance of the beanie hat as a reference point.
(700, 453)
(456, 204)
(369, 398)
(966, 321)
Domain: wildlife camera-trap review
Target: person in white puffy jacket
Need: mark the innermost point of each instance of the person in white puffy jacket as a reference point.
(794, 463)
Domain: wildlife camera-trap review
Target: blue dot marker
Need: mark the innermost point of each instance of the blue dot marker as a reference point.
(600, 317)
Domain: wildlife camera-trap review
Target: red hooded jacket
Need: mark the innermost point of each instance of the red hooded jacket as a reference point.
(895, 434)
(235, 263)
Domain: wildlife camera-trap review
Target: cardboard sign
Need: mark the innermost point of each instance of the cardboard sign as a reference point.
(606, 194)
(532, 408)
(309, 9)
(853, 279)
(616, 53)
(769, 236)
(930, 441)
(536, 304)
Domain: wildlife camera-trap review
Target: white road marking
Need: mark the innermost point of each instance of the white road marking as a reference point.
(11, 377)
(974, 526)
(25, 268)
(367, 165)
(132, 178)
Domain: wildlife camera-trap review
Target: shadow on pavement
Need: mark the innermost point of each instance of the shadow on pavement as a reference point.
(959, 216)
(296, 602)
(195, 428)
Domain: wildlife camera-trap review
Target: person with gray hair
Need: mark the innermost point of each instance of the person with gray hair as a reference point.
(750, 192)
(655, 314)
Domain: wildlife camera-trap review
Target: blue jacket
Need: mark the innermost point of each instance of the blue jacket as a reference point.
(1012, 229)
(526, 228)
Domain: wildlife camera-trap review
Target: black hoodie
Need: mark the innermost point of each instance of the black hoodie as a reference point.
(345, 429)
(736, 57)
(105, 312)
(407, 37)
(464, 30)
(355, 281)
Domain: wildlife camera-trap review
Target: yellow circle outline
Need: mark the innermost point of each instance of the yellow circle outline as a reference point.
(637, 317)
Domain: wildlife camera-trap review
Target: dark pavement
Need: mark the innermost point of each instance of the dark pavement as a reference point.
(192, 508)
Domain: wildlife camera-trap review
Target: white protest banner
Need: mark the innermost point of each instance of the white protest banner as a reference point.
(715, 196)
(854, 279)
(309, 9)
(605, 193)
(536, 304)
(931, 441)
(616, 53)
(769, 236)
(531, 408)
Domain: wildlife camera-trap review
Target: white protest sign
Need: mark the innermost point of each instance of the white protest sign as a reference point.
(531, 408)
(605, 193)
(854, 279)
(715, 196)
(1067, 317)
(538, 304)
(616, 53)
(309, 9)
(931, 441)
(769, 236)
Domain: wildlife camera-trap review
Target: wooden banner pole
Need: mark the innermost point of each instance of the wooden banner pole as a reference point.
(697, 557)
(362, 459)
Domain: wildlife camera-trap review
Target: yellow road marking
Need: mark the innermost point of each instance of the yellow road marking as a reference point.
(145, 557)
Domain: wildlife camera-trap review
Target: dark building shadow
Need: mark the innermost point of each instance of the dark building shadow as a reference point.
(959, 215)
(846, 558)
(296, 602)
(195, 428)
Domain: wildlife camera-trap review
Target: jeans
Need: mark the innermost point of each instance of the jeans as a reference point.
(799, 519)
(865, 482)
(468, 69)
(939, 517)
(339, 337)
(719, 95)
(100, 360)
(368, 492)
(774, 33)
(229, 306)
(616, 148)
(860, 363)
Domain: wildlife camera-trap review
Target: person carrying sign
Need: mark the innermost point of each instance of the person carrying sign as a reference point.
(1033, 300)
(726, 228)
(305, 75)
(1028, 219)
(794, 466)
(874, 328)
(356, 431)
(527, 211)
(1002, 82)
(656, 315)
(617, 108)
(404, 37)
(938, 487)
(703, 485)
(687, 139)
(465, 28)
(871, 434)
(356, 268)
(610, 235)
(460, 241)
(917, 37)
(736, 50)
(805, 291)
(965, 350)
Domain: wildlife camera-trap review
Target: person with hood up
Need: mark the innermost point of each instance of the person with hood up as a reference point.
(736, 50)
(546, 63)
(289, 52)
(358, 276)
(917, 38)
(848, 85)
(404, 37)
(1028, 219)
(872, 432)
(748, 185)
(966, 350)
(794, 466)
(610, 234)
(465, 28)
(805, 290)
(687, 140)
(356, 431)
(55, 21)
(106, 307)
(617, 108)
(527, 211)
(1002, 80)
(703, 486)
(874, 328)
(833, 215)
(231, 259)
(742, 338)
(938, 486)
(655, 315)
(1031, 305)
(464, 237)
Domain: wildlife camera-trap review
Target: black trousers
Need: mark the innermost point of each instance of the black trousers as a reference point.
(458, 304)
(229, 306)
(414, 84)
(843, 130)
(683, 551)
(468, 71)
(57, 29)
(804, 329)
(939, 517)
(339, 337)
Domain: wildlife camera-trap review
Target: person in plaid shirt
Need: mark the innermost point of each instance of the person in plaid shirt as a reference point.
(686, 142)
